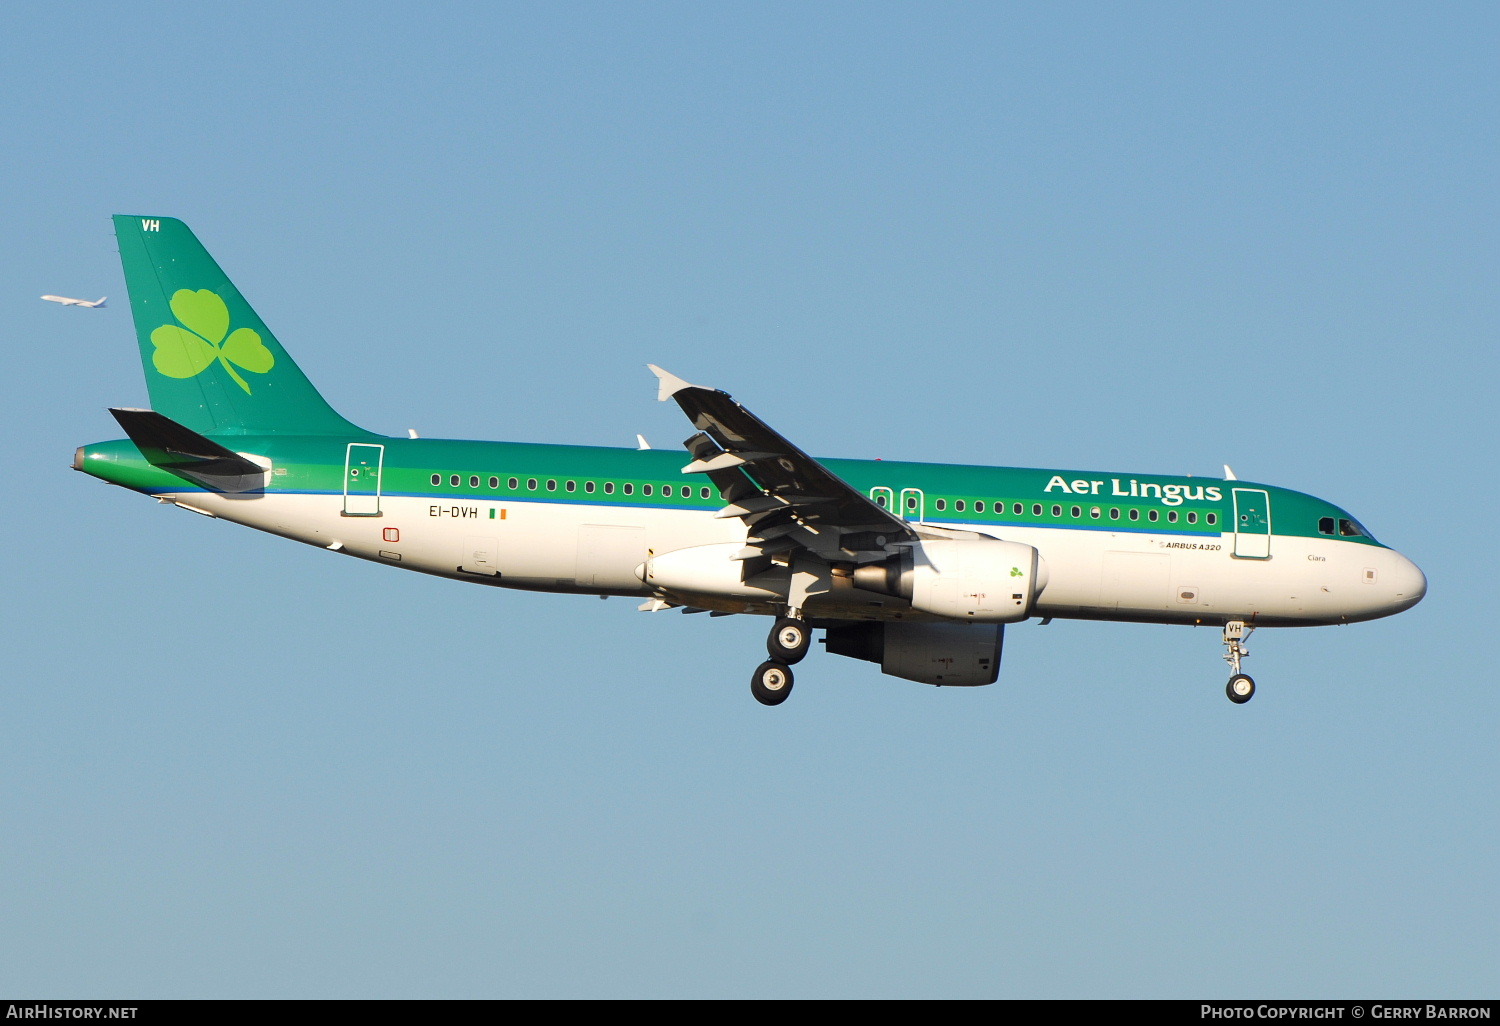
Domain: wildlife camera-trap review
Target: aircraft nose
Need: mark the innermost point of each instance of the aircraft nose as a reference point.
(1406, 581)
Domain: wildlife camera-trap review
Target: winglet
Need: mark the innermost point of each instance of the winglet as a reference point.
(1229, 474)
(671, 384)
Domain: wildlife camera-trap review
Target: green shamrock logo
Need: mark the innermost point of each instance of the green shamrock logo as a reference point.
(185, 352)
(1015, 571)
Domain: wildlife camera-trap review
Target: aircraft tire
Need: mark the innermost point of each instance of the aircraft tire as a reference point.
(789, 640)
(1240, 689)
(772, 682)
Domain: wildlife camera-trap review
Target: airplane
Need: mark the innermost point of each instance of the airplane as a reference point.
(65, 301)
(917, 567)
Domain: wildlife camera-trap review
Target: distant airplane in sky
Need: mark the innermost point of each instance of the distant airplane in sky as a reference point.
(915, 566)
(65, 301)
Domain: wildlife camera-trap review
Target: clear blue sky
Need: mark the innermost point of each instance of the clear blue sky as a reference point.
(1130, 237)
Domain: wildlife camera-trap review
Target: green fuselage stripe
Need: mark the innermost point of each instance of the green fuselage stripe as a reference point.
(317, 466)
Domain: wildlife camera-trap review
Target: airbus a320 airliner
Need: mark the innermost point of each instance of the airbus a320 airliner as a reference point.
(915, 566)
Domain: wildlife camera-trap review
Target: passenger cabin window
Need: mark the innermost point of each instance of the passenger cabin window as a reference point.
(437, 479)
(513, 484)
(494, 484)
(454, 480)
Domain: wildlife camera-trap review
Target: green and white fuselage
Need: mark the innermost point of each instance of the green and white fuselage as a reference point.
(538, 517)
(943, 555)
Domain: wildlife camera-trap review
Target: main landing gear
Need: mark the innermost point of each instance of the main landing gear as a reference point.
(787, 644)
(772, 682)
(789, 640)
(1241, 687)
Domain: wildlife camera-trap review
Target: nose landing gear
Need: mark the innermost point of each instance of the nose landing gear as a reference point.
(1241, 687)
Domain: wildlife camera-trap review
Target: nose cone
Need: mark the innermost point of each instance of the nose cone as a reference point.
(1405, 582)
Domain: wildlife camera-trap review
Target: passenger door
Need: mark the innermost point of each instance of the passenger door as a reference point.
(362, 479)
(1252, 523)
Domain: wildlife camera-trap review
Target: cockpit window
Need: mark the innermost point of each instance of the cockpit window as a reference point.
(1342, 527)
(1351, 529)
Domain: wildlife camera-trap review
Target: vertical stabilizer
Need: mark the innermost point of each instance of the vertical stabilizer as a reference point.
(211, 364)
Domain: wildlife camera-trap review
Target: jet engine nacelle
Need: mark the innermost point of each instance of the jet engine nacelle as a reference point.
(944, 654)
(982, 580)
(706, 570)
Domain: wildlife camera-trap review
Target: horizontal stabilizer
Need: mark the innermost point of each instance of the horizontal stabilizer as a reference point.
(167, 444)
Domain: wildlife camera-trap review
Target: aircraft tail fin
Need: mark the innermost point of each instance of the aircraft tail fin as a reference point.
(212, 365)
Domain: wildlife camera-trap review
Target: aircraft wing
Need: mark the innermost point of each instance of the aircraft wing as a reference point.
(788, 500)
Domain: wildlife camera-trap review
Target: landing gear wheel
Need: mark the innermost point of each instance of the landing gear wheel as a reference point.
(772, 682)
(789, 640)
(1240, 689)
